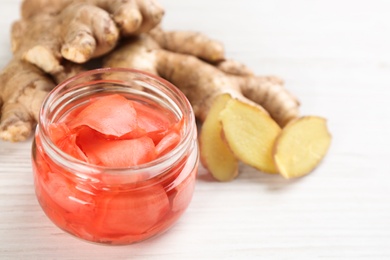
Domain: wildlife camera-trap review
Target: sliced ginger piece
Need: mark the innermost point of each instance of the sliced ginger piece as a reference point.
(250, 133)
(216, 156)
(301, 146)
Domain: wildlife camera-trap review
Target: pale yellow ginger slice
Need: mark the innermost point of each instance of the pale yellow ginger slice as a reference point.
(250, 133)
(301, 146)
(216, 156)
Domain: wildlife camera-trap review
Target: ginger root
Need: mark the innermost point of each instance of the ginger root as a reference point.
(202, 82)
(23, 88)
(50, 31)
(132, 17)
(245, 117)
(48, 42)
(189, 42)
(243, 114)
(205, 82)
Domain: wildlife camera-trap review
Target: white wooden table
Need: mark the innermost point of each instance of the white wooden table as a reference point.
(335, 56)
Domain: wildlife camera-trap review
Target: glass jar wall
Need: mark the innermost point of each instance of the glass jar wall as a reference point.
(114, 205)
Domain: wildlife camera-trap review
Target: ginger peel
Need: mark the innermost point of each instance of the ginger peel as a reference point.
(132, 17)
(22, 92)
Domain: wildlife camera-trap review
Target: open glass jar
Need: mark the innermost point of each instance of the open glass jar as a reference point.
(114, 205)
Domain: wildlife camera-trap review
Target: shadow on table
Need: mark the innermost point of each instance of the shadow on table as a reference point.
(250, 175)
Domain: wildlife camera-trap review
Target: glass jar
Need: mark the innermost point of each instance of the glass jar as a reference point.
(107, 204)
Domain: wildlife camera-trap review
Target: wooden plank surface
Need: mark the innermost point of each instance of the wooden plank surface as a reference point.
(335, 56)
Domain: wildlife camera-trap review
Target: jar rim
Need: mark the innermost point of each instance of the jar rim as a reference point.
(75, 164)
